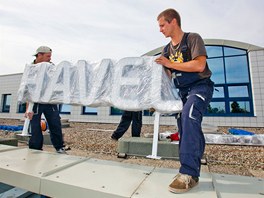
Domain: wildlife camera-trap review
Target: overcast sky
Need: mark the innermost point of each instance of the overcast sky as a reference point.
(96, 29)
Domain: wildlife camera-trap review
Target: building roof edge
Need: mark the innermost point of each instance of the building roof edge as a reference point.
(223, 42)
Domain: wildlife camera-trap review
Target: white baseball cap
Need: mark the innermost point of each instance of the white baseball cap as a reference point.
(43, 49)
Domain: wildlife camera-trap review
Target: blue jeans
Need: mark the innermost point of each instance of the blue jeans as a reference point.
(52, 116)
(127, 117)
(192, 143)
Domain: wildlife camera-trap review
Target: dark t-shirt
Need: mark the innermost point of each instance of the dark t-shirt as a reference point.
(196, 46)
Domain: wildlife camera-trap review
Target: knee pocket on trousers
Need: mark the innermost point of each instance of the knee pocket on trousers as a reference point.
(197, 108)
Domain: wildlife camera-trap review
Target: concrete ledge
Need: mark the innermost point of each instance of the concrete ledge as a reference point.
(57, 175)
(139, 146)
(9, 141)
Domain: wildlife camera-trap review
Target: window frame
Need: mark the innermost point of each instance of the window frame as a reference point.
(88, 113)
(227, 99)
(6, 108)
(64, 112)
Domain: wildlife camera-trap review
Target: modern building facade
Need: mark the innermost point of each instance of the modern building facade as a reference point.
(238, 73)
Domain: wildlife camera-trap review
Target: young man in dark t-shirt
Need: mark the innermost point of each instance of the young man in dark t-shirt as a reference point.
(184, 59)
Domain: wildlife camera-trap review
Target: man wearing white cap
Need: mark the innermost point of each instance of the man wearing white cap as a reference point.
(43, 54)
(50, 111)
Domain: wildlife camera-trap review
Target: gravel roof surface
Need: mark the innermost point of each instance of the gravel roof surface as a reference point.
(93, 140)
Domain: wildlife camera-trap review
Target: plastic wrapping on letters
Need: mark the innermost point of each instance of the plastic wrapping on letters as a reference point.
(133, 83)
(234, 139)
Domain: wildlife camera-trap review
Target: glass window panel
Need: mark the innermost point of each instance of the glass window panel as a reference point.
(239, 107)
(8, 99)
(238, 91)
(90, 110)
(65, 108)
(22, 108)
(218, 92)
(116, 111)
(236, 69)
(216, 108)
(214, 51)
(229, 51)
(147, 113)
(216, 65)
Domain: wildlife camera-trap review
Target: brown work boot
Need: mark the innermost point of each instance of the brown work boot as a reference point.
(183, 183)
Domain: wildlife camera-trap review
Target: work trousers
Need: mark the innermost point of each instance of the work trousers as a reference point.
(196, 99)
(127, 117)
(52, 116)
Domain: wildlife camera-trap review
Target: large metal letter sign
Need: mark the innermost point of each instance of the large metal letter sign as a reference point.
(134, 83)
